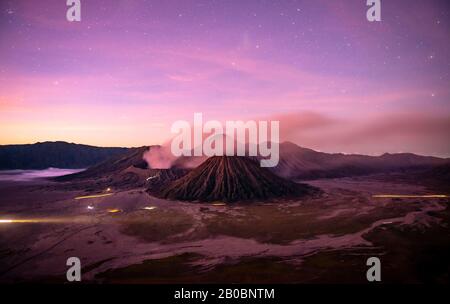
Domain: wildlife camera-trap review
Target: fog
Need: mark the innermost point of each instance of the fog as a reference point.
(29, 175)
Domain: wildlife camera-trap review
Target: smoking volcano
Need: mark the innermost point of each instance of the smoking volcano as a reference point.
(230, 179)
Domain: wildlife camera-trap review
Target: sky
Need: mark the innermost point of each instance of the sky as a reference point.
(129, 69)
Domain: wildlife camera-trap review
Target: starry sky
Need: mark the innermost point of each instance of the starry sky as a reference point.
(129, 69)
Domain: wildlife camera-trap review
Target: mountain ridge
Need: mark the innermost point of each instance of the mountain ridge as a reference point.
(303, 163)
(56, 154)
(296, 162)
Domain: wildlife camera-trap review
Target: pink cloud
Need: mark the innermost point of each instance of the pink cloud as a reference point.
(419, 132)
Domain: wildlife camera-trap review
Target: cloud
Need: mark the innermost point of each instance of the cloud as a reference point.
(417, 132)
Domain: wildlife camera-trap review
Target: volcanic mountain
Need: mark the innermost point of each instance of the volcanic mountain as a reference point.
(112, 166)
(306, 164)
(303, 164)
(230, 179)
(125, 171)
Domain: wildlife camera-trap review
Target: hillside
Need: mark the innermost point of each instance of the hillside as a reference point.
(302, 163)
(54, 154)
(231, 179)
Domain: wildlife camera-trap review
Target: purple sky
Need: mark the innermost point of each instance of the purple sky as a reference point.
(129, 69)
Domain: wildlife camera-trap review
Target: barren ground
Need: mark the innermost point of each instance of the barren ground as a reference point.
(326, 239)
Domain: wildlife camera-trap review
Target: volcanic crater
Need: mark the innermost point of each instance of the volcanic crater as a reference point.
(230, 179)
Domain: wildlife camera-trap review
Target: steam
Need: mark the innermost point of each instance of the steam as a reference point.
(160, 157)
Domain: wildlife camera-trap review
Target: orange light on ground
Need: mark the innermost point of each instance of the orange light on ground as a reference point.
(93, 196)
(218, 204)
(149, 208)
(6, 221)
(55, 220)
(14, 221)
(114, 210)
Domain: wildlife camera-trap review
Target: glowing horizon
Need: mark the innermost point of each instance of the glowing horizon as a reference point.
(128, 70)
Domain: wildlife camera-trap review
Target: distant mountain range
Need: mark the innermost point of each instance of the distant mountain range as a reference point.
(302, 163)
(295, 162)
(54, 154)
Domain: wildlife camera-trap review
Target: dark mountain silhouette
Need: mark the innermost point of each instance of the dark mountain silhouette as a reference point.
(230, 179)
(125, 171)
(302, 163)
(54, 154)
(128, 168)
(113, 165)
(295, 162)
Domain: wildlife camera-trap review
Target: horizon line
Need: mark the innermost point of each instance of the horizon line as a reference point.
(283, 142)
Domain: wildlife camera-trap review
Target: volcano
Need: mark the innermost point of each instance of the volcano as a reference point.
(231, 179)
(306, 164)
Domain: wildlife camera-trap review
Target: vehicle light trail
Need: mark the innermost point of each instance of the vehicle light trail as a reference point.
(93, 196)
(14, 221)
(149, 208)
(219, 204)
(114, 210)
(44, 220)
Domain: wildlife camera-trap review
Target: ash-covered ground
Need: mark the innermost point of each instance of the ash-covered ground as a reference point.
(128, 236)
